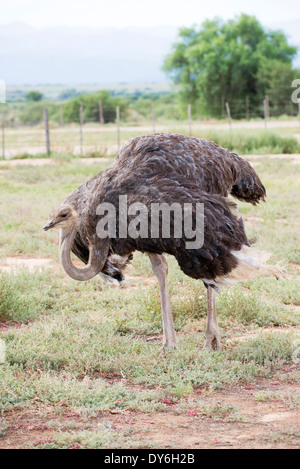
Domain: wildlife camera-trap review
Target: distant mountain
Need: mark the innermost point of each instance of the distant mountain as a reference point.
(83, 55)
(74, 55)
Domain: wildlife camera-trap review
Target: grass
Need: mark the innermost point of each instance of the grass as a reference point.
(259, 142)
(93, 348)
(105, 438)
(99, 350)
(24, 386)
(265, 348)
(292, 398)
(20, 295)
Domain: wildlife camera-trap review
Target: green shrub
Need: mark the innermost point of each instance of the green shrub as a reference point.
(254, 142)
(20, 296)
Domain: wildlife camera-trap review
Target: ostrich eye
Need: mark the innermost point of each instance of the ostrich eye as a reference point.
(63, 215)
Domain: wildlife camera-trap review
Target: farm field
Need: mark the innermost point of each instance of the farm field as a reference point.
(246, 137)
(84, 365)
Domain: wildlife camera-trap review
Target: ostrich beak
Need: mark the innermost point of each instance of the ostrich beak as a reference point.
(50, 225)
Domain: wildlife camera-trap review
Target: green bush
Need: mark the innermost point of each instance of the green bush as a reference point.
(34, 96)
(33, 112)
(253, 142)
(90, 103)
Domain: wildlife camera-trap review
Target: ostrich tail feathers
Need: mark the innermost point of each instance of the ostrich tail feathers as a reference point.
(251, 264)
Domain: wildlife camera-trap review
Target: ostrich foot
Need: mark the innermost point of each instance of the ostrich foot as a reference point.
(170, 343)
(213, 341)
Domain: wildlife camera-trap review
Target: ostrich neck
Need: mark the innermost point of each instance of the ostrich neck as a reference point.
(93, 267)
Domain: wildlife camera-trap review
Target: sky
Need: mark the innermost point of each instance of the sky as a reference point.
(129, 13)
(114, 41)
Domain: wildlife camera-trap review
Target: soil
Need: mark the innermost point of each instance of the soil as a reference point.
(256, 424)
(31, 263)
(47, 161)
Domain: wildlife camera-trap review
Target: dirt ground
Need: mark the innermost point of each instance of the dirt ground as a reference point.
(47, 161)
(268, 424)
(12, 264)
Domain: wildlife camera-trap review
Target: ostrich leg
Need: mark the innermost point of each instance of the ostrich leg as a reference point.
(160, 268)
(213, 341)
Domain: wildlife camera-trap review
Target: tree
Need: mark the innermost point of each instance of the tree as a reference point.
(224, 60)
(275, 78)
(90, 103)
(34, 96)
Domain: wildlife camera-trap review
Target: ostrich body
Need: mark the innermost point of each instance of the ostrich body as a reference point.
(212, 168)
(166, 168)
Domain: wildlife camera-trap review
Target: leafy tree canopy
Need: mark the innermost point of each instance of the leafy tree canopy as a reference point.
(34, 96)
(227, 60)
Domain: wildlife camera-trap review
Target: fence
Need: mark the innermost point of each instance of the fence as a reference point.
(98, 139)
(157, 109)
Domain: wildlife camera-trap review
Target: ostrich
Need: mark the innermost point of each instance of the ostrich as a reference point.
(167, 168)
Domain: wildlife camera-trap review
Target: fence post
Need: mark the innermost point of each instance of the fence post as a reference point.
(228, 115)
(3, 133)
(153, 117)
(101, 118)
(247, 108)
(47, 131)
(81, 125)
(61, 116)
(291, 108)
(266, 112)
(12, 119)
(118, 125)
(190, 118)
(268, 106)
(223, 107)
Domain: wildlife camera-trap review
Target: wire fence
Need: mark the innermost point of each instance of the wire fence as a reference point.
(101, 139)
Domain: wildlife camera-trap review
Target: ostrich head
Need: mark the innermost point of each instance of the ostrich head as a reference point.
(63, 217)
(67, 219)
